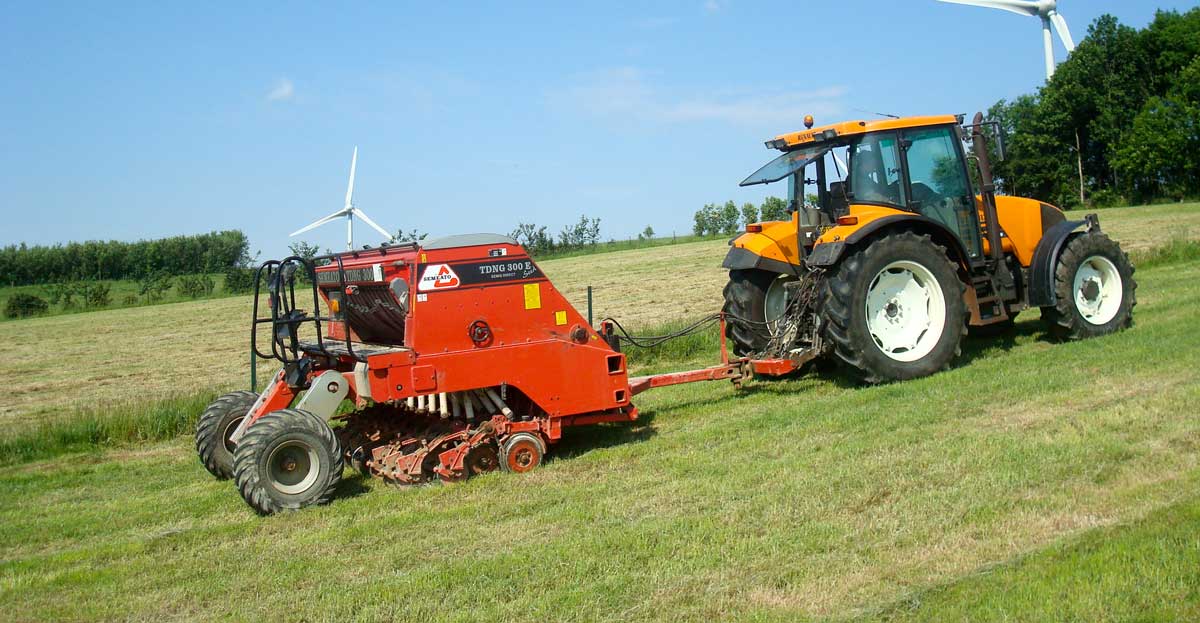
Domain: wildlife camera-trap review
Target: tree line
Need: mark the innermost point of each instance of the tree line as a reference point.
(1118, 122)
(728, 219)
(94, 260)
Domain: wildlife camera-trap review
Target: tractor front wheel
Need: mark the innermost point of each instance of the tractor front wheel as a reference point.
(287, 460)
(893, 309)
(214, 427)
(1093, 289)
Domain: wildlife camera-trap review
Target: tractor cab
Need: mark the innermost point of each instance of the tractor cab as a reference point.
(916, 168)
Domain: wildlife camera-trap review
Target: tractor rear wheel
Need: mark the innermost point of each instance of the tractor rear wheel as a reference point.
(286, 460)
(753, 298)
(893, 309)
(214, 427)
(1094, 289)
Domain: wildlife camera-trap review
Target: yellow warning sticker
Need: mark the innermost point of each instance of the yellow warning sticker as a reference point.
(560, 318)
(533, 296)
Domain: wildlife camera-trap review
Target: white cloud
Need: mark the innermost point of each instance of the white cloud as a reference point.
(282, 91)
(628, 93)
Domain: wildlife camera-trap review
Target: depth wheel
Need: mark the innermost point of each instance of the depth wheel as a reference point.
(521, 453)
(753, 298)
(214, 427)
(1094, 289)
(893, 309)
(287, 460)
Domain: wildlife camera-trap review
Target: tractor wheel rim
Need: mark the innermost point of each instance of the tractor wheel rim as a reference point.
(292, 467)
(1097, 289)
(906, 311)
(775, 302)
(227, 434)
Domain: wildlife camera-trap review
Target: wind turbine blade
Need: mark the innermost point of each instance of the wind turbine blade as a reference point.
(1048, 45)
(318, 223)
(350, 186)
(366, 219)
(1064, 33)
(1020, 7)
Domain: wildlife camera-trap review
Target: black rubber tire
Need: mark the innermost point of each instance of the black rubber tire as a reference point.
(251, 469)
(745, 298)
(1063, 320)
(213, 427)
(843, 308)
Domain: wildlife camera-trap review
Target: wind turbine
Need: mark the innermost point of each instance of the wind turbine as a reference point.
(1045, 9)
(348, 211)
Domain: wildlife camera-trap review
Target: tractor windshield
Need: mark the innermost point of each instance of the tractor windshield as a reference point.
(785, 165)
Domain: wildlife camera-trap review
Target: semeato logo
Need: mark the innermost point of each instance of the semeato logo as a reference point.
(438, 277)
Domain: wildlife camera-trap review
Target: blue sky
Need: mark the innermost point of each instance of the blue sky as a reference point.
(127, 121)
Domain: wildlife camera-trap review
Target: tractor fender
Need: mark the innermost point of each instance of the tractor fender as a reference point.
(743, 259)
(1045, 259)
(828, 253)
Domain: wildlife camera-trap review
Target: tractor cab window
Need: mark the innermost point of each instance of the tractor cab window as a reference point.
(938, 180)
(875, 174)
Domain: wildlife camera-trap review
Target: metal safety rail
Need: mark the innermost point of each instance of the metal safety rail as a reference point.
(285, 318)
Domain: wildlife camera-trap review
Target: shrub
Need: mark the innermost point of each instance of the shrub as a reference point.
(154, 286)
(195, 286)
(239, 280)
(129, 300)
(96, 294)
(23, 305)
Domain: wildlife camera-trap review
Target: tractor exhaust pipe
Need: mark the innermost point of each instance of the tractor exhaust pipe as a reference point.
(987, 187)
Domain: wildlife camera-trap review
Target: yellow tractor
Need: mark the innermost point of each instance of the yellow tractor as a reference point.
(897, 243)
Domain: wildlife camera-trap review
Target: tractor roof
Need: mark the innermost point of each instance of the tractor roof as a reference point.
(834, 131)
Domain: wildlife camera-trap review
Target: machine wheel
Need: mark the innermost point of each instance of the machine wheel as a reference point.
(522, 452)
(893, 309)
(756, 296)
(1094, 289)
(287, 460)
(214, 427)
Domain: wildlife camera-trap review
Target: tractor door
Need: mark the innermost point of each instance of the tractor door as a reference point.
(938, 183)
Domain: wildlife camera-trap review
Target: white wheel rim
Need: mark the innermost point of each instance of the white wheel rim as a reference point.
(293, 467)
(906, 311)
(775, 303)
(1097, 290)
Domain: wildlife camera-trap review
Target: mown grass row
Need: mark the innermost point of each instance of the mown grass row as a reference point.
(110, 425)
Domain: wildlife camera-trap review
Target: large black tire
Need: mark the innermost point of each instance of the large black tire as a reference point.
(843, 308)
(214, 427)
(745, 306)
(1066, 320)
(287, 460)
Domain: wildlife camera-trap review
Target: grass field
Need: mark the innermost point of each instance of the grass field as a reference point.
(117, 359)
(1033, 481)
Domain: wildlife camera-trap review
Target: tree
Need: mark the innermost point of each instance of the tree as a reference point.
(1161, 155)
(647, 234)
(729, 218)
(774, 209)
(305, 250)
(749, 213)
(412, 235)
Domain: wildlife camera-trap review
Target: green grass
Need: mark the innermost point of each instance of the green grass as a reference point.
(119, 289)
(1145, 570)
(790, 500)
(92, 428)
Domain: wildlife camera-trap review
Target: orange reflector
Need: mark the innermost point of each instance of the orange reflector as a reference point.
(753, 229)
(335, 305)
(847, 220)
